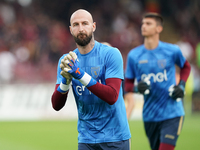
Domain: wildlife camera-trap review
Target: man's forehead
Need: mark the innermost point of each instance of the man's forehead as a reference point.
(80, 16)
(148, 20)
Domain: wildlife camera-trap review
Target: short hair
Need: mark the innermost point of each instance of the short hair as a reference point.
(156, 16)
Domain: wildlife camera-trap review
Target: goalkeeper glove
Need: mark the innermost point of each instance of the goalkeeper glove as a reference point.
(73, 66)
(75, 70)
(64, 73)
(143, 86)
(66, 80)
(176, 92)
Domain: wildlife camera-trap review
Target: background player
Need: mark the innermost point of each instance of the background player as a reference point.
(153, 65)
(96, 73)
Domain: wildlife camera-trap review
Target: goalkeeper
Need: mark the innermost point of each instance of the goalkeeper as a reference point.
(95, 72)
(153, 65)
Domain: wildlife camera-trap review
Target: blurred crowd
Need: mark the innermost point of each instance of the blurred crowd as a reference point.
(34, 35)
(31, 42)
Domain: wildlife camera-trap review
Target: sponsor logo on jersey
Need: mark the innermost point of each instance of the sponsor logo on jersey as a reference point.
(81, 88)
(95, 71)
(159, 77)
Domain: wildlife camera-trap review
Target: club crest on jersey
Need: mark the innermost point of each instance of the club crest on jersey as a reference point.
(161, 63)
(95, 71)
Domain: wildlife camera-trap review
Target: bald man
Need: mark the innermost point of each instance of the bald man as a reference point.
(94, 71)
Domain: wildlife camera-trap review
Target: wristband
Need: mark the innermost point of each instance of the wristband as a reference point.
(87, 80)
(63, 87)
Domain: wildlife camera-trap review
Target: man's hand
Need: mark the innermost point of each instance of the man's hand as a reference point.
(144, 86)
(72, 64)
(64, 73)
(176, 92)
(67, 78)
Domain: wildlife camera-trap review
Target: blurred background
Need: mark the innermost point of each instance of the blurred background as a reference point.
(35, 33)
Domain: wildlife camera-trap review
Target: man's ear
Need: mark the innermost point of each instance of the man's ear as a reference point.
(94, 26)
(70, 30)
(159, 29)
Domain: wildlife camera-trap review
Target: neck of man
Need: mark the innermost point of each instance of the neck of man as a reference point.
(87, 48)
(151, 42)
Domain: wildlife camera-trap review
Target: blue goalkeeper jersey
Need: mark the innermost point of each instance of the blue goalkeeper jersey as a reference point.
(99, 122)
(159, 66)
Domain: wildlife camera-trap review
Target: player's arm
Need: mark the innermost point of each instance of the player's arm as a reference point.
(177, 91)
(128, 85)
(129, 103)
(109, 92)
(58, 99)
(128, 96)
(59, 96)
(143, 86)
(182, 63)
(185, 71)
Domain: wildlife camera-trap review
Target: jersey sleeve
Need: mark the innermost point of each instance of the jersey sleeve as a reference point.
(178, 57)
(130, 67)
(114, 64)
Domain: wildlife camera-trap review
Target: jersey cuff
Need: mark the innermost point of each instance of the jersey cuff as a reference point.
(63, 88)
(87, 80)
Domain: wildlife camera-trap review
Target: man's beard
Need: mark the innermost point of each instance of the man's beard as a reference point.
(83, 41)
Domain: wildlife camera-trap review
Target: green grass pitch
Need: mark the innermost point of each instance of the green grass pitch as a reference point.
(62, 135)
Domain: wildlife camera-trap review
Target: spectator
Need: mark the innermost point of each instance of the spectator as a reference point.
(7, 66)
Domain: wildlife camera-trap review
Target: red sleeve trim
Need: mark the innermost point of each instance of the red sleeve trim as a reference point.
(128, 85)
(58, 99)
(109, 92)
(185, 71)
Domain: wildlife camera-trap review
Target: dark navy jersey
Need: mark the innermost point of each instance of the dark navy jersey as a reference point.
(159, 66)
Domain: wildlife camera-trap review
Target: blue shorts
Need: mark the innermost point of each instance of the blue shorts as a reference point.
(121, 145)
(166, 131)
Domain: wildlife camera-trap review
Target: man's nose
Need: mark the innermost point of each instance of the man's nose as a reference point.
(80, 28)
(143, 26)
